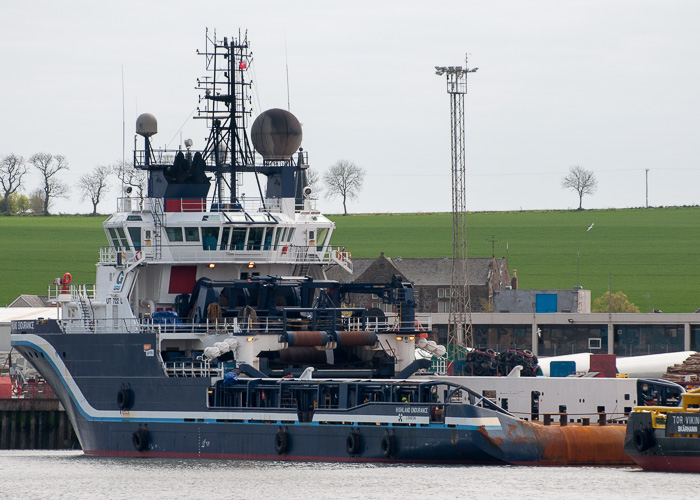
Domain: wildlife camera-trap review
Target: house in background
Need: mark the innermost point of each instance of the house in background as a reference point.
(31, 301)
(431, 280)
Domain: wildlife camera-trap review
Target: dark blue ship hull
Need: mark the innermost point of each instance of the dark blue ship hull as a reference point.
(172, 417)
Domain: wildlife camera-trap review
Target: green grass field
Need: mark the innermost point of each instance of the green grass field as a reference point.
(36, 250)
(649, 254)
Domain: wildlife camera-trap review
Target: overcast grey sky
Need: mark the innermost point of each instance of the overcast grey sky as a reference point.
(610, 85)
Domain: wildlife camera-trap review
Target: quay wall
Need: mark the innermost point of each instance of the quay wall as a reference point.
(35, 424)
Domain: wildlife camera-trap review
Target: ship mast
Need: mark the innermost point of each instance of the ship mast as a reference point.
(224, 105)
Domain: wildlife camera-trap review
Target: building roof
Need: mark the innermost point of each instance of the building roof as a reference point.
(423, 271)
(8, 314)
(29, 301)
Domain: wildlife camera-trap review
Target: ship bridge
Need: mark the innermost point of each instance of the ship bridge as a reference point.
(153, 230)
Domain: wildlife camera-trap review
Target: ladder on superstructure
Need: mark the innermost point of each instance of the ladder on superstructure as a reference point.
(158, 215)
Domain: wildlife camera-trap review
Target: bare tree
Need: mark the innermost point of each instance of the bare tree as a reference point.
(50, 165)
(12, 169)
(131, 177)
(344, 179)
(580, 180)
(94, 185)
(312, 178)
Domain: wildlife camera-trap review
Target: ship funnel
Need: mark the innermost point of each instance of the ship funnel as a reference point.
(146, 125)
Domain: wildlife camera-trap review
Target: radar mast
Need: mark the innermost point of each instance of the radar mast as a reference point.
(224, 104)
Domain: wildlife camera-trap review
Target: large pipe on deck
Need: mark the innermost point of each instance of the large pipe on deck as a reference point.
(581, 445)
(302, 355)
(355, 338)
(307, 339)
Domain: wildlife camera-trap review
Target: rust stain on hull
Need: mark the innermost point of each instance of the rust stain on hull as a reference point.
(581, 445)
(498, 441)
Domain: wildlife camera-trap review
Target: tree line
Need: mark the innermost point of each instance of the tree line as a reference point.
(344, 179)
(92, 186)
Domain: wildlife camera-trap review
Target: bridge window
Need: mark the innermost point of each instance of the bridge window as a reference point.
(238, 238)
(119, 238)
(255, 238)
(225, 233)
(278, 235)
(174, 233)
(135, 233)
(191, 234)
(321, 234)
(115, 239)
(210, 235)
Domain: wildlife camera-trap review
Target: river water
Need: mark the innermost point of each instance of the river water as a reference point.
(26, 475)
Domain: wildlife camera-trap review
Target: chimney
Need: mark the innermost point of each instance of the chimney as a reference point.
(514, 280)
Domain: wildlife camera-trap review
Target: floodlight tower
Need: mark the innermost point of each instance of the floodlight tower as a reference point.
(459, 332)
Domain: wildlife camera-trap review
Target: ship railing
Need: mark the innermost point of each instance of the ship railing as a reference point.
(140, 204)
(309, 206)
(438, 365)
(274, 325)
(70, 292)
(124, 258)
(157, 157)
(251, 204)
(236, 326)
(196, 252)
(166, 157)
(392, 323)
(109, 325)
(215, 326)
(690, 403)
(192, 369)
(32, 389)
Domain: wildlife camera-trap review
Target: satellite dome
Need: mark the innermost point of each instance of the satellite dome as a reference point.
(276, 134)
(146, 125)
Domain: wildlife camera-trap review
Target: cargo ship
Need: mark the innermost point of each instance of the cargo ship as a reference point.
(212, 331)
